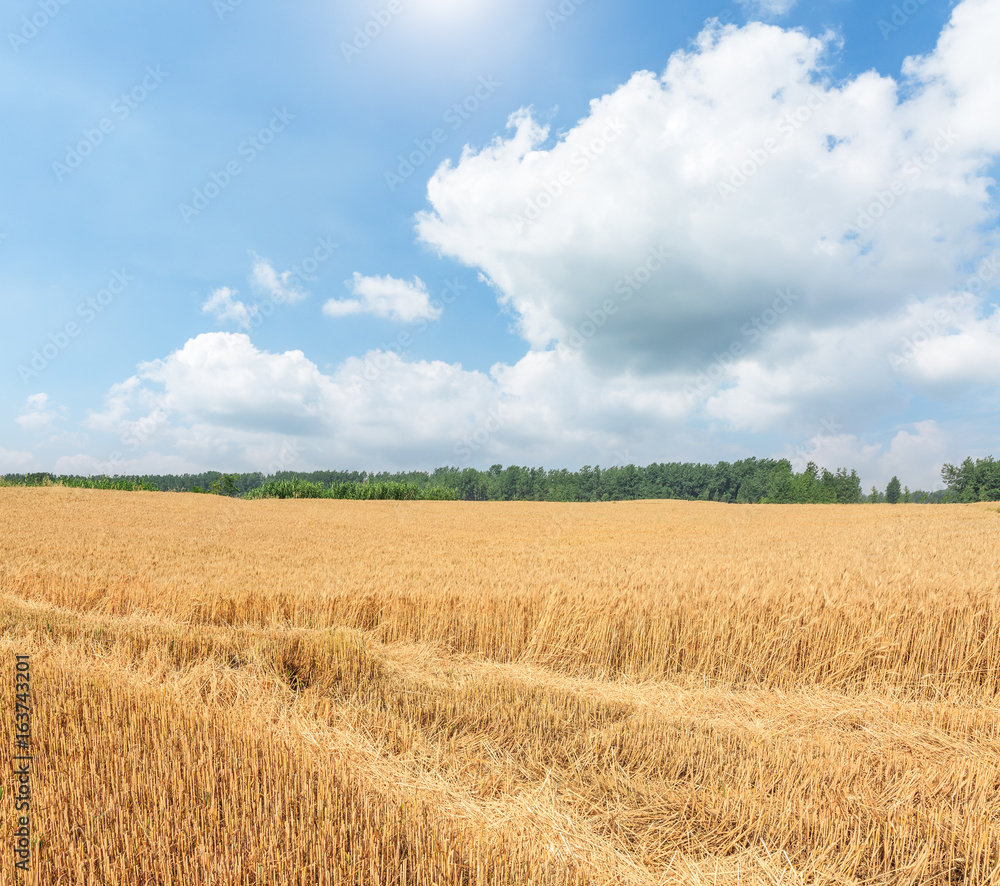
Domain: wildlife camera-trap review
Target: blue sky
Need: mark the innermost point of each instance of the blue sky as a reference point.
(245, 236)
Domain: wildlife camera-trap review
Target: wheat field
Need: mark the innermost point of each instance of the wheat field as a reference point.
(340, 692)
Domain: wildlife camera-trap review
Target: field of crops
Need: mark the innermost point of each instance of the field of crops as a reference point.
(420, 692)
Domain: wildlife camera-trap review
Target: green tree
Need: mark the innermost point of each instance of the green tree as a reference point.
(781, 488)
(892, 491)
(977, 480)
(226, 485)
(848, 487)
(471, 485)
(805, 486)
(960, 480)
(988, 476)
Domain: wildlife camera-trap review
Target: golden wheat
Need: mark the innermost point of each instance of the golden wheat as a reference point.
(310, 692)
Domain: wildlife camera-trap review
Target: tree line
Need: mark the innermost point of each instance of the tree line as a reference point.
(749, 480)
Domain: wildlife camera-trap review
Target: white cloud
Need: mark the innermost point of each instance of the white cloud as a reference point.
(222, 402)
(386, 297)
(148, 463)
(961, 78)
(281, 288)
(749, 168)
(223, 379)
(915, 455)
(266, 282)
(946, 354)
(228, 309)
(37, 414)
(15, 462)
(219, 396)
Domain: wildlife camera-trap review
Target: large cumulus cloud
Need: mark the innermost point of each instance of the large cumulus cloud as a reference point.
(758, 173)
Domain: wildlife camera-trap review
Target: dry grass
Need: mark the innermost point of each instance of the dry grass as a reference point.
(334, 692)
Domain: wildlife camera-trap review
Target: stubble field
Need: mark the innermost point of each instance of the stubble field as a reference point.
(339, 692)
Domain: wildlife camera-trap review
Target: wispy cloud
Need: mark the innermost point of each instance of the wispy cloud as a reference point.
(228, 309)
(12, 461)
(767, 8)
(37, 414)
(271, 288)
(277, 286)
(385, 297)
